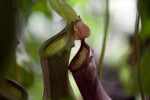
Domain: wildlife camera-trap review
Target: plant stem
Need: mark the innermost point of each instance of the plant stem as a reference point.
(138, 56)
(7, 37)
(104, 40)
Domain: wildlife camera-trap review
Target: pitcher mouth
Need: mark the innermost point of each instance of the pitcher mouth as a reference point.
(83, 56)
(59, 43)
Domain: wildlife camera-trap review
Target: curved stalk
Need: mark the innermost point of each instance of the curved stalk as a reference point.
(104, 40)
(138, 57)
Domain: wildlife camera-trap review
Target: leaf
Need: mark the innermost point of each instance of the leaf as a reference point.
(64, 10)
(144, 10)
(31, 47)
(74, 2)
(42, 7)
(145, 71)
(21, 75)
(127, 79)
(25, 7)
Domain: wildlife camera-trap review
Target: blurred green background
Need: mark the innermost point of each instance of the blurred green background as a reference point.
(36, 22)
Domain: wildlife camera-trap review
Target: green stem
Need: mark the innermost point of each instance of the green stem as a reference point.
(7, 37)
(105, 39)
(138, 57)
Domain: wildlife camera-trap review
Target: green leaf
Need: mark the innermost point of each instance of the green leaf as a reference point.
(145, 71)
(145, 32)
(31, 47)
(127, 79)
(21, 75)
(42, 7)
(64, 10)
(74, 2)
(25, 7)
(144, 11)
